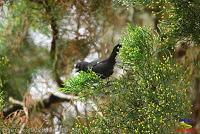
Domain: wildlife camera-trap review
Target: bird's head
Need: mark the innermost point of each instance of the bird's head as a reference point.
(81, 66)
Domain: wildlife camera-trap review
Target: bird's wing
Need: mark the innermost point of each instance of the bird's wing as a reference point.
(101, 66)
(92, 64)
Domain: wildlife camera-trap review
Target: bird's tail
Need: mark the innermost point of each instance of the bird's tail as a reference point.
(114, 53)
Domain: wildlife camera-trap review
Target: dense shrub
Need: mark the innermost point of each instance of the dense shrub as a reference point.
(159, 89)
(186, 19)
(150, 98)
(85, 84)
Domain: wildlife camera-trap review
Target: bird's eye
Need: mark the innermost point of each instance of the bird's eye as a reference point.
(78, 65)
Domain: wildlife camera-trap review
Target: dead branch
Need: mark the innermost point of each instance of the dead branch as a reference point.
(45, 103)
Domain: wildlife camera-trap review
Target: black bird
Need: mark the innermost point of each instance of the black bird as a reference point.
(103, 68)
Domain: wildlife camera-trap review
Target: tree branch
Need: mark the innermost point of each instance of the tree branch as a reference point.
(55, 34)
(45, 103)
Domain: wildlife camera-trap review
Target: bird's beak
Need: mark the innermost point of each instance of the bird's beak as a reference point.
(76, 70)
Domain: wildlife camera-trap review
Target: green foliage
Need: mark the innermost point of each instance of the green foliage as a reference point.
(85, 84)
(159, 97)
(151, 98)
(181, 18)
(186, 20)
(138, 49)
(132, 2)
(2, 102)
(3, 66)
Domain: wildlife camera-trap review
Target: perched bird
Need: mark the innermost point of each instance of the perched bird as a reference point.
(103, 68)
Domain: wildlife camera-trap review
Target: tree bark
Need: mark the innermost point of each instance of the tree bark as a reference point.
(53, 50)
